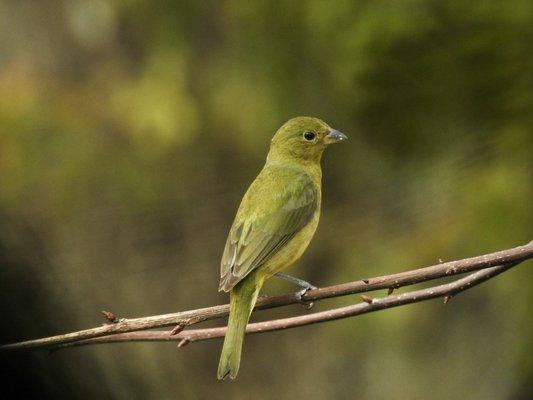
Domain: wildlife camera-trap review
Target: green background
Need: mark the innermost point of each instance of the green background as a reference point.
(129, 131)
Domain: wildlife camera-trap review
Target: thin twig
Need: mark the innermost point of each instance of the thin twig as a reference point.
(376, 304)
(188, 318)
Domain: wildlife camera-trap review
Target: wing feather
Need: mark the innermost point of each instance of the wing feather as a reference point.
(267, 219)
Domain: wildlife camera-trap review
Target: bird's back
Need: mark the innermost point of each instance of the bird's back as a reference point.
(274, 224)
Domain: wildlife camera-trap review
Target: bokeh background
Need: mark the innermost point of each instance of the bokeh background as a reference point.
(129, 131)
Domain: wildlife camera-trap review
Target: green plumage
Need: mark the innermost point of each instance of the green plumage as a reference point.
(279, 203)
(275, 222)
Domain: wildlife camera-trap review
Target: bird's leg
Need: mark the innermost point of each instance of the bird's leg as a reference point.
(301, 283)
(297, 281)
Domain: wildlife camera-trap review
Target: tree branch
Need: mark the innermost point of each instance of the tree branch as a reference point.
(367, 306)
(186, 318)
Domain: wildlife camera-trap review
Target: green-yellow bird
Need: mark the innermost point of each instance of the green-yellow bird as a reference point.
(275, 222)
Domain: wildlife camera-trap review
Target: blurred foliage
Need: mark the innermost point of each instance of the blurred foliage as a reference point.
(129, 131)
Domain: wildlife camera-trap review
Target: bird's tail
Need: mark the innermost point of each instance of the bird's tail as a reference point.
(242, 300)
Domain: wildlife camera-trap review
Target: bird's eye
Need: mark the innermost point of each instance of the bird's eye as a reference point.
(309, 136)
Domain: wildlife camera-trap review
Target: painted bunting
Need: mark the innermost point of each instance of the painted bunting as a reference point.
(275, 222)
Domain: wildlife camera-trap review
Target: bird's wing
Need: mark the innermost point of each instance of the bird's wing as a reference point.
(276, 206)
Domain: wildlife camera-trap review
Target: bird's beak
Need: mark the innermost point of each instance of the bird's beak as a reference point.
(334, 136)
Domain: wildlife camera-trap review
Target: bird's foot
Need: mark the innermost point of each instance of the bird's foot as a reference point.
(303, 284)
(306, 304)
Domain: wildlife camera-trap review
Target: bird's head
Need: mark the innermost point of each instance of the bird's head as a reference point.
(303, 139)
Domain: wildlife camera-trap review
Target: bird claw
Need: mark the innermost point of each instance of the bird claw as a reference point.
(301, 283)
(300, 294)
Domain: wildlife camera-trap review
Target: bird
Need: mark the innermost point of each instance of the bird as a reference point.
(274, 224)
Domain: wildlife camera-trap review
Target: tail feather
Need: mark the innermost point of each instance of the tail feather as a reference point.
(242, 301)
